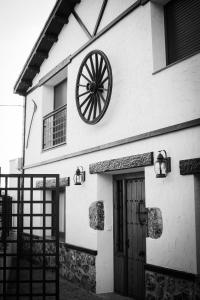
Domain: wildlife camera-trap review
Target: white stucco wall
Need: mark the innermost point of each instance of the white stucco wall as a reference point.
(140, 102)
(152, 101)
(113, 9)
(197, 217)
(174, 195)
(89, 12)
(104, 262)
(176, 248)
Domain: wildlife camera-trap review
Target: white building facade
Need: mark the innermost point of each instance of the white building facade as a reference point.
(123, 229)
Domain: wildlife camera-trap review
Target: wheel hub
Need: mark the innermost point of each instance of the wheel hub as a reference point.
(92, 87)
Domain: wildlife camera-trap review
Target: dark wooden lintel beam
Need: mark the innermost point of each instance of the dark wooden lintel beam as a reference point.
(51, 37)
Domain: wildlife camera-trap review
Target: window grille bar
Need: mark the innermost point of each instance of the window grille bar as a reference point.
(54, 128)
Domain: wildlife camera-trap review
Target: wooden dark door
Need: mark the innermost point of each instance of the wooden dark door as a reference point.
(129, 235)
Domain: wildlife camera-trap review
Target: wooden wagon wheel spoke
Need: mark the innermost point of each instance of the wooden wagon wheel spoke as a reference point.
(80, 95)
(89, 72)
(95, 107)
(102, 89)
(83, 85)
(87, 99)
(99, 103)
(92, 65)
(101, 75)
(86, 77)
(96, 69)
(104, 80)
(96, 65)
(91, 108)
(101, 96)
(88, 105)
(100, 68)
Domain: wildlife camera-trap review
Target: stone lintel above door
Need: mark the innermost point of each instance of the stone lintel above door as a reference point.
(128, 162)
(189, 166)
(51, 183)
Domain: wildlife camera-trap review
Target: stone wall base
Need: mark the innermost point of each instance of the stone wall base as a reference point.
(75, 265)
(161, 286)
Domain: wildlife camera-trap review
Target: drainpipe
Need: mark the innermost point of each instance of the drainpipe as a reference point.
(24, 135)
(20, 217)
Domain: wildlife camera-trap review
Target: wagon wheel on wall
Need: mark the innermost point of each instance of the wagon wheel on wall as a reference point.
(93, 87)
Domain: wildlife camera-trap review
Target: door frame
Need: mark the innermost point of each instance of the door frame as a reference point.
(124, 177)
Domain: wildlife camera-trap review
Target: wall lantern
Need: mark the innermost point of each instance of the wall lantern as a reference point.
(162, 164)
(79, 176)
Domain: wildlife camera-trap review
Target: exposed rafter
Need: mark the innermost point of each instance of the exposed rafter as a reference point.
(61, 19)
(34, 68)
(51, 37)
(100, 16)
(81, 24)
(26, 82)
(42, 54)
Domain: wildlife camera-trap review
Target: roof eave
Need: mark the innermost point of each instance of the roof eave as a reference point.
(23, 84)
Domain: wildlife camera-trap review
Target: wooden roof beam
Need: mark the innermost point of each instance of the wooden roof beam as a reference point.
(21, 92)
(51, 37)
(42, 54)
(34, 69)
(26, 82)
(61, 19)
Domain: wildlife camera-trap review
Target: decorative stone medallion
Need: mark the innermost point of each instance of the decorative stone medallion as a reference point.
(155, 223)
(96, 215)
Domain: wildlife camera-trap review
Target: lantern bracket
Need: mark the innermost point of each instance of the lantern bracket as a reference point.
(168, 164)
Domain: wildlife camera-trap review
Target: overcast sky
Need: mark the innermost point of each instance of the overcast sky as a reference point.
(21, 22)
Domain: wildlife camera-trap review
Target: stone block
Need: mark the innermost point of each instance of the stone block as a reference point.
(168, 287)
(189, 166)
(96, 215)
(155, 223)
(134, 161)
(51, 183)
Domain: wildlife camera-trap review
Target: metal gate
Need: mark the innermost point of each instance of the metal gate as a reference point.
(29, 237)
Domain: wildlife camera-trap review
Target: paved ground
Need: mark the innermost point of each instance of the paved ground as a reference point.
(70, 291)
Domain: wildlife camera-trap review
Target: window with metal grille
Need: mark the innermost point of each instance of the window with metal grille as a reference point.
(54, 123)
(182, 23)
